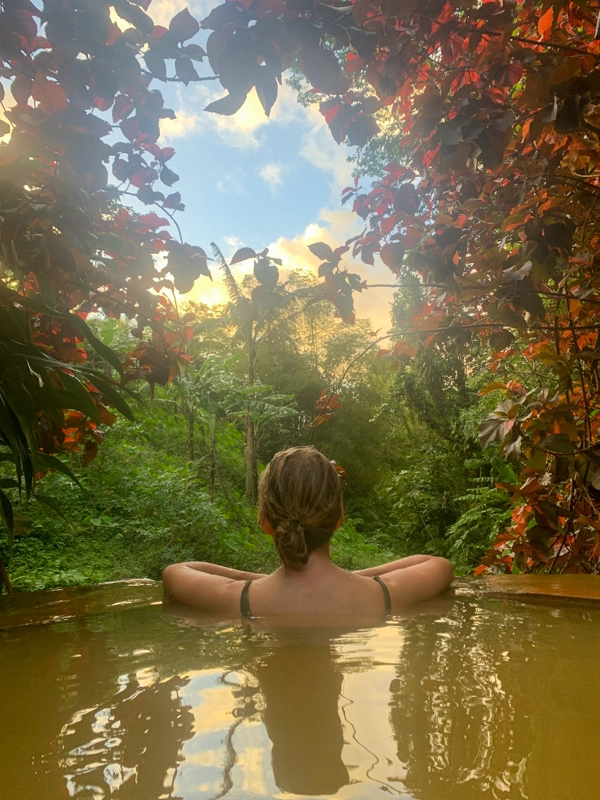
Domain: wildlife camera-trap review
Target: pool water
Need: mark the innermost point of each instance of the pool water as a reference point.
(490, 699)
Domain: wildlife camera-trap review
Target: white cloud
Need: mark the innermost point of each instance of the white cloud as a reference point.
(333, 227)
(185, 124)
(272, 174)
(229, 184)
(233, 243)
(321, 150)
(163, 11)
(237, 130)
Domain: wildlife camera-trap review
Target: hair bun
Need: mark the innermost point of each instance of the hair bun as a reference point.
(291, 543)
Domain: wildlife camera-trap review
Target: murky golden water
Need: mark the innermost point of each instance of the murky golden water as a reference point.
(490, 700)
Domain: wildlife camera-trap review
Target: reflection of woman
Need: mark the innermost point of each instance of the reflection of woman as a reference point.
(301, 689)
(300, 505)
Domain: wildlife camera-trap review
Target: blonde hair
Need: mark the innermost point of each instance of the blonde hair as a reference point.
(300, 495)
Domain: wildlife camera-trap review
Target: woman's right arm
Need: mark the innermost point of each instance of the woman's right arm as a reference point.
(207, 586)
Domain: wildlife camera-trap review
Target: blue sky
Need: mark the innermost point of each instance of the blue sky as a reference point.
(259, 182)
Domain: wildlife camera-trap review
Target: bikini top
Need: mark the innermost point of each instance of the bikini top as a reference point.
(245, 600)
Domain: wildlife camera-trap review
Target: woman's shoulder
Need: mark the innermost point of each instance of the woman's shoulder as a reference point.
(216, 593)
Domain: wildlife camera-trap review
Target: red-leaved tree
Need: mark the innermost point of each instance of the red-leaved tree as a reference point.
(81, 130)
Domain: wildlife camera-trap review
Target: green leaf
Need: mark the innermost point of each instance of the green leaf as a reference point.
(60, 399)
(113, 396)
(7, 516)
(80, 395)
(16, 441)
(52, 462)
(51, 502)
(102, 350)
(557, 443)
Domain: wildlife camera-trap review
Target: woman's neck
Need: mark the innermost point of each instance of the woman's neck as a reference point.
(319, 561)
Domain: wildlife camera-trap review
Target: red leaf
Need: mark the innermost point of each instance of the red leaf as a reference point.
(545, 23)
(20, 89)
(90, 453)
(392, 255)
(50, 95)
(152, 220)
(388, 224)
(158, 32)
(514, 73)
(322, 69)
(142, 176)
(122, 107)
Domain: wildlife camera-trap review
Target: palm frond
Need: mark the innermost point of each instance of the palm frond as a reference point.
(233, 289)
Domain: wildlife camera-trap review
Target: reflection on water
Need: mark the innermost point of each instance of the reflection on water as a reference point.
(487, 701)
(135, 739)
(499, 704)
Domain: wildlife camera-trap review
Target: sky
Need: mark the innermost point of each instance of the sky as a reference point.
(248, 180)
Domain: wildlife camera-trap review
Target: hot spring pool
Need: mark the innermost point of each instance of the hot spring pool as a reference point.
(489, 699)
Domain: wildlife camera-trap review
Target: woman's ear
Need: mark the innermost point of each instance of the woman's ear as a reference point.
(265, 525)
(340, 521)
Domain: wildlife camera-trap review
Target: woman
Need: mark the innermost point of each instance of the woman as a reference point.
(300, 506)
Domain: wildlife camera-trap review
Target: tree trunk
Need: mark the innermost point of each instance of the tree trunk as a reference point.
(251, 461)
(4, 579)
(213, 460)
(190, 441)
(250, 449)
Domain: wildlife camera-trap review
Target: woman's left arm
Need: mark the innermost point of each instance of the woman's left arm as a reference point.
(392, 566)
